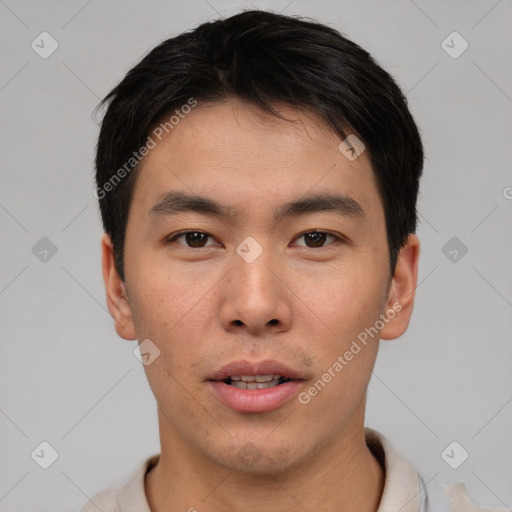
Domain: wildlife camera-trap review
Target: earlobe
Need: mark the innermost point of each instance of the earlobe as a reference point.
(402, 290)
(117, 299)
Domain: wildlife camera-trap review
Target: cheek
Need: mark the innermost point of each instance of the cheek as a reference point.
(161, 300)
(347, 298)
(348, 305)
(174, 314)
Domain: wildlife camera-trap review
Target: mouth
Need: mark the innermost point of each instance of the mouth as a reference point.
(256, 381)
(257, 372)
(255, 387)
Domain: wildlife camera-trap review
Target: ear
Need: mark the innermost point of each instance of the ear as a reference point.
(117, 299)
(402, 290)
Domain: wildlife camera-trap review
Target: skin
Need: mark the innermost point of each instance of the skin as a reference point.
(301, 305)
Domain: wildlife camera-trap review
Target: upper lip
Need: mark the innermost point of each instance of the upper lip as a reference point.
(267, 367)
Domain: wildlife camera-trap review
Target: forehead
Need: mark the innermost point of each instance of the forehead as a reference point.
(247, 158)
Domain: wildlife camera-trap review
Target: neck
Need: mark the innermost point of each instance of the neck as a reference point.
(342, 475)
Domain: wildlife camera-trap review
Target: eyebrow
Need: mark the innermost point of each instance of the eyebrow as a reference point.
(172, 203)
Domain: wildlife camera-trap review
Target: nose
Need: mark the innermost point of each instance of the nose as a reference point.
(256, 298)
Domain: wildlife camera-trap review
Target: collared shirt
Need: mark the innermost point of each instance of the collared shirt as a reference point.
(404, 489)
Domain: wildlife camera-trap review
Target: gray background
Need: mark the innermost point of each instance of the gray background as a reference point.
(66, 377)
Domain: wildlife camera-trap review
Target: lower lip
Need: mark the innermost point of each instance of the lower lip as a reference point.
(255, 400)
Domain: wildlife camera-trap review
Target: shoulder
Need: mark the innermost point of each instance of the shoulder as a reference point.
(106, 501)
(128, 496)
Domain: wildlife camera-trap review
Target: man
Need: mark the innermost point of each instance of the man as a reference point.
(257, 179)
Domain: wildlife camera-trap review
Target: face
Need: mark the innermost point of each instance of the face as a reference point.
(277, 270)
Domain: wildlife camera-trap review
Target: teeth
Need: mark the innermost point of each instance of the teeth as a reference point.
(264, 378)
(254, 378)
(242, 384)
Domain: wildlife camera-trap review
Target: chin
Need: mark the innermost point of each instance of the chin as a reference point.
(258, 458)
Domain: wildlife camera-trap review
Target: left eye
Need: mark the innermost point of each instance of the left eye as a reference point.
(316, 238)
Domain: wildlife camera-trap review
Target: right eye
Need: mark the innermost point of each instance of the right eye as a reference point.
(192, 239)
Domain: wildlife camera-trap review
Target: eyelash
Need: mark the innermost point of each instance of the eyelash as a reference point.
(338, 238)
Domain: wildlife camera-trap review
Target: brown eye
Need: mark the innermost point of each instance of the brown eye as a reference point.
(196, 239)
(316, 239)
(193, 239)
